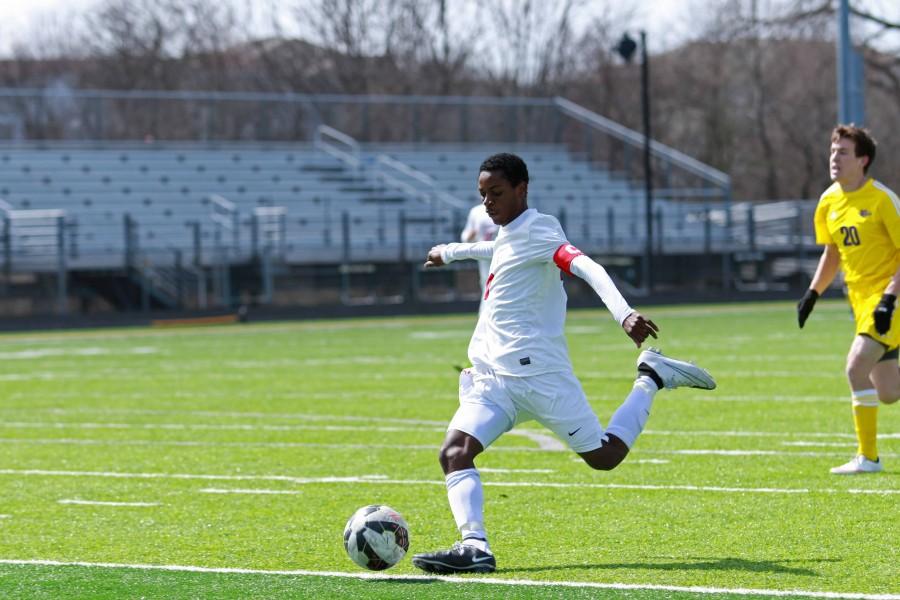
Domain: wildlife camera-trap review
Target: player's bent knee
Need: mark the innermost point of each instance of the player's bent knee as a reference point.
(450, 454)
(458, 452)
(885, 399)
(607, 462)
(608, 456)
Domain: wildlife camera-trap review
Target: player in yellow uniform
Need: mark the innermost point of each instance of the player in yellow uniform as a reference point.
(858, 221)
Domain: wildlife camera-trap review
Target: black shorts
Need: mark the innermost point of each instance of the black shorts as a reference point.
(889, 353)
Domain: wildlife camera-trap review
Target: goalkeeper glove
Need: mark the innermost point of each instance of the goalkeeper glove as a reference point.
(883, 313)
(805, 306)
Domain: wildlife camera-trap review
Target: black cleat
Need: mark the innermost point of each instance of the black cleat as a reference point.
(458, 559)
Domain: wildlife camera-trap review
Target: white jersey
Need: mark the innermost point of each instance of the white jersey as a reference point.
(480, 228)
(520, 330)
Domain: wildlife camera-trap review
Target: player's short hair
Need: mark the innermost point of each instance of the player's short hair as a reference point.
(862, 140)
(512, 167)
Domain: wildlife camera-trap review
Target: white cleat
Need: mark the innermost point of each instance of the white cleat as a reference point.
(675, 373)
(859, 464)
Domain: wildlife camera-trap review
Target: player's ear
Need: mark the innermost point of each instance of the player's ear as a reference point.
(522, 190)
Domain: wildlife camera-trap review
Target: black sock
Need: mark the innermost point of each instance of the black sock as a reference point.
(643, 369)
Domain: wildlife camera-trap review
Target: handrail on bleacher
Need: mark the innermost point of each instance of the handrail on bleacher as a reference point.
(636, 140)
(383, 162)
(350, 156)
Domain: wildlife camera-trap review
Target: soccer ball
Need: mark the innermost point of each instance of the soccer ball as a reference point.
(376, 537)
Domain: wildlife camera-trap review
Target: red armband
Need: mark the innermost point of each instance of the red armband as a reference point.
(564, 256)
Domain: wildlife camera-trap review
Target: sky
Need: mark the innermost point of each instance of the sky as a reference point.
(17, 18)
(667, 22)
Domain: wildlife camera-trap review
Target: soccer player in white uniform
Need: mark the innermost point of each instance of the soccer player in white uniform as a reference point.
(520, 361)
(480, 228)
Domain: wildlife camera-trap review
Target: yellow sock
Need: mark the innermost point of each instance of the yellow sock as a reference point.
(865, 420)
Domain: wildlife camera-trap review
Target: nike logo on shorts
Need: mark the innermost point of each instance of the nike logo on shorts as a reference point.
(571, 433)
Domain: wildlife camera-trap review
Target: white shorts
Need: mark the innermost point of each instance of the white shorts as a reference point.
(491, 404)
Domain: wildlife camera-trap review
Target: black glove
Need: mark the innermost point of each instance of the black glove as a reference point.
(805, 306)
(883, 313)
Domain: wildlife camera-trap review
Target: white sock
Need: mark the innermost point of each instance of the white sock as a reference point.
(466, 498)
(628, 421)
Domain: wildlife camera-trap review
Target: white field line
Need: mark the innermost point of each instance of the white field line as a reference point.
(468, 580)
(545, 441)
(5, 516)
(829, 444)
(211, 426)
(230, 394)
(440, 335)
(250, 491)
(564, 485)
(40, 376)
(556, 447)
(781, 399)
(201, 444)
(257, 415)
(191, 476)
(267, 330)
(363, 359)
(490, 470)
(90, 351)
(681, 396)
(721, 374)
(383, 480)
(104, 503)
(426, 447)
(778, 434)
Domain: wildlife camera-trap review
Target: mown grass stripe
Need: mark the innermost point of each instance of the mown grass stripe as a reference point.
(545, 446)
(402, 425)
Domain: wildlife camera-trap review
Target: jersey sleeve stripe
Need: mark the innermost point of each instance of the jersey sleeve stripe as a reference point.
(890, 194)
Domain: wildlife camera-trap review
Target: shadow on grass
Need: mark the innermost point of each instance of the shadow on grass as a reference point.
(695, 564)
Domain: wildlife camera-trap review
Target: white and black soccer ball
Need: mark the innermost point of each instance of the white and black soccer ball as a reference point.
(376, 537)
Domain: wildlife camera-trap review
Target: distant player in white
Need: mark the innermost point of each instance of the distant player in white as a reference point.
(480, 228)
(520, 361)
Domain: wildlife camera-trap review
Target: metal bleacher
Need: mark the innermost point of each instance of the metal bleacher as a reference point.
(167, 194)
(93, 200)
(336, 202)
(600, 210)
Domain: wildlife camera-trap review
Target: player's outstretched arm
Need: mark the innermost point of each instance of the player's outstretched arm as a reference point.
(639, 328)
(572, 261)
(446, 253)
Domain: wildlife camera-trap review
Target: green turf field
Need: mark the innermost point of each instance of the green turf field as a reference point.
(235, 454)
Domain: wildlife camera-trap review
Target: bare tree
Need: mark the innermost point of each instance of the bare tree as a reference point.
(529, 43)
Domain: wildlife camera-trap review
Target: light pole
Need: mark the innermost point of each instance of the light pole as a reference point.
(626, 48)
(850, 78)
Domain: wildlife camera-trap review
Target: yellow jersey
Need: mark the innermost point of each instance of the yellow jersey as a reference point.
(865, 226)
